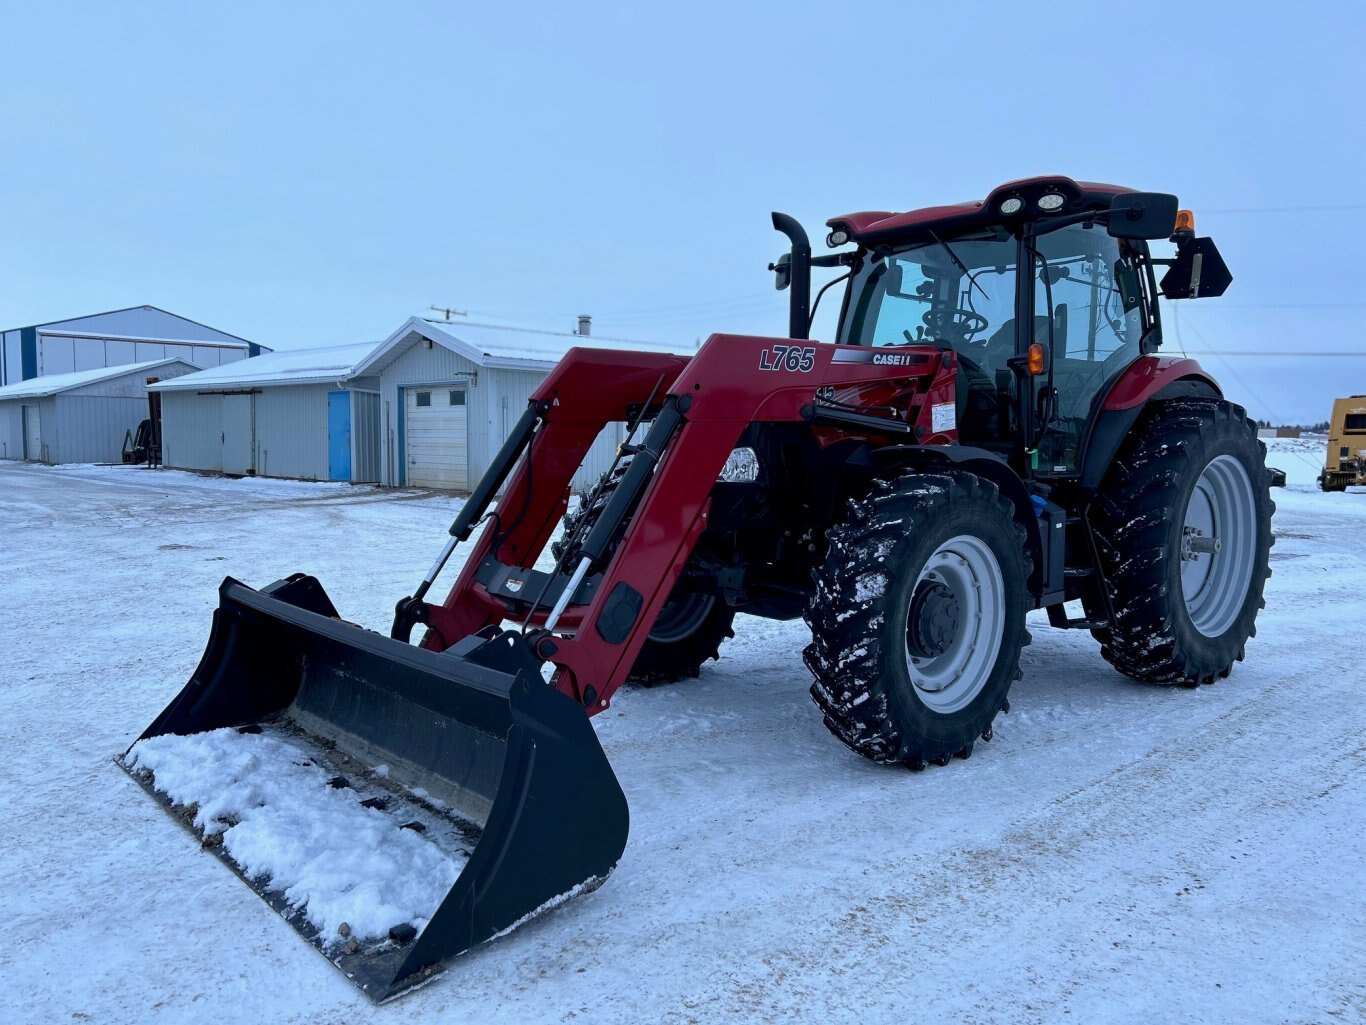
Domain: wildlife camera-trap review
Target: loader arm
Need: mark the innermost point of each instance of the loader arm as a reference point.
(732, 382)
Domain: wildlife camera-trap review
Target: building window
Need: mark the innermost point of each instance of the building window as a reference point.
(457, 397)
(424, 398)
(1356, 423)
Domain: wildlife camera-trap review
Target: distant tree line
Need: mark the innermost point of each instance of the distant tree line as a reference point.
(1319, 428)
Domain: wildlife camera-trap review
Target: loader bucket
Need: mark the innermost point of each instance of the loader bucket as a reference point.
(466, 750)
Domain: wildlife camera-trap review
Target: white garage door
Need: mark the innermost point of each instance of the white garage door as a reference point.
(435, 438)
(33, 435)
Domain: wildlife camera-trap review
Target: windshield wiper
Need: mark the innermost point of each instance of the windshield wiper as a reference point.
(972, 281)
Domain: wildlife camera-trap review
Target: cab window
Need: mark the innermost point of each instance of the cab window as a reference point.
(958, 294)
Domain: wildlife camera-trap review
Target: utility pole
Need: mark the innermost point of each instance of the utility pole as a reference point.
(449, 313)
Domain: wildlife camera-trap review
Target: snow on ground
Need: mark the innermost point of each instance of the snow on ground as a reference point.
(271, 805)
(1118, 853)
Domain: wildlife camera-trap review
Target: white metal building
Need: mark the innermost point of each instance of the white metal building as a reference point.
(427, 407)
(451, 391)
(119, 337)
(79, 417)
(303, 413)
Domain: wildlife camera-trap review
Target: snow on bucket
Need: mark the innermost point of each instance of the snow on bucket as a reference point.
(395, 805)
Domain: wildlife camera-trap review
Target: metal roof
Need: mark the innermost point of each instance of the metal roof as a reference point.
(323, 365)
(68, 321)
(53, 384)
(496, 346)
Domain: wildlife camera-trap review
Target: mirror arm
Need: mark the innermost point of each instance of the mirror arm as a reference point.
(1053, 224)
(834, 260)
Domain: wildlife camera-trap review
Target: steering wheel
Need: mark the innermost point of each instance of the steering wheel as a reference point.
(960, 322)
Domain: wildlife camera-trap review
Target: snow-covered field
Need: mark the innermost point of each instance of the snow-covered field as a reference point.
(1117, 852)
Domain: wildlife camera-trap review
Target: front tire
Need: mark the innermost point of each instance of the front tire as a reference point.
(1183, 528)
(918, 618)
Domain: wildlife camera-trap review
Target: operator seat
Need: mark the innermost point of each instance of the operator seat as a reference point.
(1001, 345)
(981, 417)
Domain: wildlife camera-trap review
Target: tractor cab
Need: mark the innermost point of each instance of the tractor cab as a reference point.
(1045, 291)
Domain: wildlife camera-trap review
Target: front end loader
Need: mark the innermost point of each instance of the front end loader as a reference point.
(993, 431)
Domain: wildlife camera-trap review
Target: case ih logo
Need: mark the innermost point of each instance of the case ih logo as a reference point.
(796, 358)
(895, 359)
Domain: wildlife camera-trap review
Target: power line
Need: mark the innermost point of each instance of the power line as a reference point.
(1292, 306)
(1263, 352)
(1235, 375)
(1286, 209)
(683, 308)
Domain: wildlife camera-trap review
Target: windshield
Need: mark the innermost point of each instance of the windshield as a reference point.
(958, 293)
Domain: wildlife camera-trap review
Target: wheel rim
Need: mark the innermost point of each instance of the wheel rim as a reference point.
(680, 617)
(1218, 545)
(954, 623)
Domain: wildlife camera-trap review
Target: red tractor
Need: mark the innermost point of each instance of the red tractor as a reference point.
(994, 430)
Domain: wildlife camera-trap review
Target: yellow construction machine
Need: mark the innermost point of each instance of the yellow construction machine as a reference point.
(1345, 464)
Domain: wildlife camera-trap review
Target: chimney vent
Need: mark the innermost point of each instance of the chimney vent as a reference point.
(585, 325)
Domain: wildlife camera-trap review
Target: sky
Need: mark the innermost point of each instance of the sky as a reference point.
(314, 173)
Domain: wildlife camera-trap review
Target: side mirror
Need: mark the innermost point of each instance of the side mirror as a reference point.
(1150, 215)
(782, 271)
(1198, 272)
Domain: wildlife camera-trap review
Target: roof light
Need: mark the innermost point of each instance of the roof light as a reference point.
(1013, 205)
(837, 237)
(1185, 223)
(1051, 201)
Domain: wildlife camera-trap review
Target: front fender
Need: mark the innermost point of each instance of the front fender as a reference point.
(985, 464)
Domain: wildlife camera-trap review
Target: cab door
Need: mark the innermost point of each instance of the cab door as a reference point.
(1089, 299)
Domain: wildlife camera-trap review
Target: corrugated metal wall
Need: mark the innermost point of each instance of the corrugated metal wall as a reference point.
(47, 416)
(291, 431)
(12, 429)
(90, 428)
(11, 359)
(62, 354)
(83, 425)
(366, 429)
(509, 392)
(192, 430)
(288, 431)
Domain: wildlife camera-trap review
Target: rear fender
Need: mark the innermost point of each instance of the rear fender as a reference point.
(1150, 379)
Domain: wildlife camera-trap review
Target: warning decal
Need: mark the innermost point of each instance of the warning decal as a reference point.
(943, 417)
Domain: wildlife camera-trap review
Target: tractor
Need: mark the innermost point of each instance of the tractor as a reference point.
(993, 430)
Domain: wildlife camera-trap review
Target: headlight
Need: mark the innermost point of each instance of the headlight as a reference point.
(1051, 201)
(742, 467)
(1012, 205)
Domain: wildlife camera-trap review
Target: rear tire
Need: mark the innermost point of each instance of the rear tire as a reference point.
(918, 618)
(687, 633)
(1192, 475)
